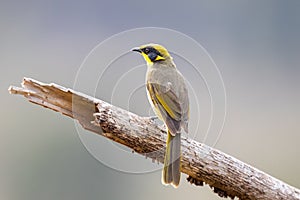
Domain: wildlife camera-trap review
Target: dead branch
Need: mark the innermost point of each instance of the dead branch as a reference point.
(228, 176)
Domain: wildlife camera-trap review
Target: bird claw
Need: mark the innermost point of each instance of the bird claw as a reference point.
(152, 118)
(163, 126)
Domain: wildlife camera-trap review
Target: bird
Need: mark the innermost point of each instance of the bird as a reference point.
(168, 95)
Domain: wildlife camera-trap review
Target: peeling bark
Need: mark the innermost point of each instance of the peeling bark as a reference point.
(226, 175)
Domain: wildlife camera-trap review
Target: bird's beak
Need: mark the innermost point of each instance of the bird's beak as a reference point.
(137, 49)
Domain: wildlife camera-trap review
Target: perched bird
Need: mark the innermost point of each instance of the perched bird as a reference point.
(168, 96)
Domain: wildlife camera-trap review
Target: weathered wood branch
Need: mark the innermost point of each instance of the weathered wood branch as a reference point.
(228, 176)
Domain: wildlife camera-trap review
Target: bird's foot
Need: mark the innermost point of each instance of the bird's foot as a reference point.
(163, 126)
(152, 118)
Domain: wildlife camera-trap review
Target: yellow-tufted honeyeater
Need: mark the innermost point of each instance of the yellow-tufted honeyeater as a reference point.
(168, 95)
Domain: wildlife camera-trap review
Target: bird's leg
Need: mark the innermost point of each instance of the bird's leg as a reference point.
(152, 118)
(163, 126)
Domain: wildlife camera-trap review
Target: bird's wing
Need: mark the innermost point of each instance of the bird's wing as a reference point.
(168, 104)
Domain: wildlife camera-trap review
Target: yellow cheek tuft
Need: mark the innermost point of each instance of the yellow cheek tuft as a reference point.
(159, 58)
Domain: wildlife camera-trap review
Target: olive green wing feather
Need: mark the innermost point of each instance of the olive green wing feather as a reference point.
(167, 102)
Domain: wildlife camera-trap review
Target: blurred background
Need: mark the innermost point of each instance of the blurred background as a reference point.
(255, 44)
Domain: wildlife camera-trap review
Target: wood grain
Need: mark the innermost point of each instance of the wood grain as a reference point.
(226, 175)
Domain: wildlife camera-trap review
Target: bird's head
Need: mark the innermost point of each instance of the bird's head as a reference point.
(153, 53)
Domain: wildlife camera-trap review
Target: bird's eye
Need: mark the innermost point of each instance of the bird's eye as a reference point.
(147, 50)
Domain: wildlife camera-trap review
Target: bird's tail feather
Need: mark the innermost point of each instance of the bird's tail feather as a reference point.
(171, 170)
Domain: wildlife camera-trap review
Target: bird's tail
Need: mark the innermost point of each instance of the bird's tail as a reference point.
(171, 170)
